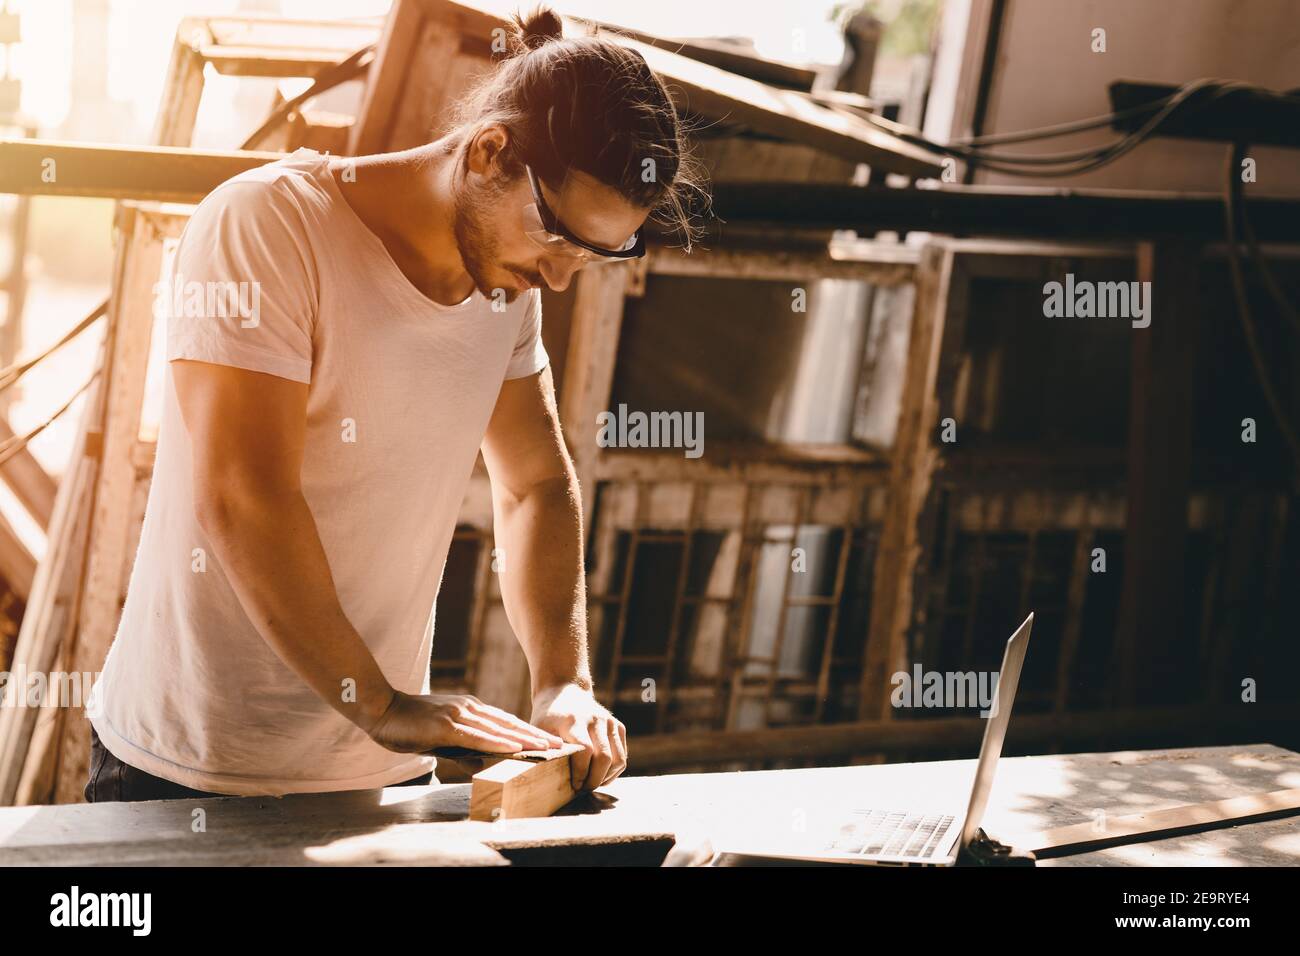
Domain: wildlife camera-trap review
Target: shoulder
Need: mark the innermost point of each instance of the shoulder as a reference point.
(274, 197)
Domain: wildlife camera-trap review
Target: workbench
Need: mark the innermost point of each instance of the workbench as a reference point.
(636, 819)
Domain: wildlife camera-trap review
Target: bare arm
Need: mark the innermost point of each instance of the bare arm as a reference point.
(538, 524)
(248, 431)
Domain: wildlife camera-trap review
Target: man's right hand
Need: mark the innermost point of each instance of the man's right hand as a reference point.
(417, 723)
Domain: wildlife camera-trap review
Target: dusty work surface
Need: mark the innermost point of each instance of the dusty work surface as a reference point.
(642, 815)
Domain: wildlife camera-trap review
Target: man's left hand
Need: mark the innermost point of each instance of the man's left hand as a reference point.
(573, 713)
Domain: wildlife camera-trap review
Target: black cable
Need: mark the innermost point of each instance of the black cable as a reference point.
(1084, 160)
(1099, 154)
(1235, 154)
(16, 443)
(1236, 200)
(10, 375)
(1060, 129)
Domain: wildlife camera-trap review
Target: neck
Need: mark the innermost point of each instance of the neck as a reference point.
(406, 199)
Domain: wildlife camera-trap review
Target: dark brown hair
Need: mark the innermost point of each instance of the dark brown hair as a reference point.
(589, 104)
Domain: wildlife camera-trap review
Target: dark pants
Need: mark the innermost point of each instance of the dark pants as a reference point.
(112, 780)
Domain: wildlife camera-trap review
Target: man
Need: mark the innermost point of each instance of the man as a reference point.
(344, 337)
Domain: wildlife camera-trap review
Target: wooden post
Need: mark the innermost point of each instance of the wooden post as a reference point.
(589, 368)
(1159, 465)
(912, 464)
(386, 78)
(183, 87)
(107, 561)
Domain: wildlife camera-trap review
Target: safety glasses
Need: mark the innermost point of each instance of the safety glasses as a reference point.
(544, 228)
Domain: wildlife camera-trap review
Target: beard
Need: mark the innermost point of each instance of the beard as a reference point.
(478, 247)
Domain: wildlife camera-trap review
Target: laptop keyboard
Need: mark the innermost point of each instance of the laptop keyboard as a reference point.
(893, 833)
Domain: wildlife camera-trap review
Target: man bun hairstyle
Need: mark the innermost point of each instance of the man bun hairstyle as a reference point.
(589, 104)
(528, 33)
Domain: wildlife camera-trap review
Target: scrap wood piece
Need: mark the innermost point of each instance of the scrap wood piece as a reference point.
(28, 480)
(728, 55)
(532, 783)
(1158, 824)
(787, 114)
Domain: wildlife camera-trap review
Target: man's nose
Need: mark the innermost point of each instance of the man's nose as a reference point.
(557, 271)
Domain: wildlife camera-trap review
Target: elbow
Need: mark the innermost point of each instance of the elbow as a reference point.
(215, 511)
(551, 489)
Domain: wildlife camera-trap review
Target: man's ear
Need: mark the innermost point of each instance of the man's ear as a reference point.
(486, 148)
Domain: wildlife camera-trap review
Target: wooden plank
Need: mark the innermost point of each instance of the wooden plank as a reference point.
(385, 78)
(888, 736)
(38, 771)
(51, 609)
(395, 66)
(152, 173)
(532, 785)
(17, 566)
(319, 130)
(343, 36)
(914, 460)
(732, 57)
(131, 317)
(884, 264)
(29, 481)
(1159, 474)
(784, 463)
(719, 94)
(277, 62)
(1162, 824)
(183, 86)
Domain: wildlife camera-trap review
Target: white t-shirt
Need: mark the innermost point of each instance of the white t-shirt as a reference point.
(401, 390)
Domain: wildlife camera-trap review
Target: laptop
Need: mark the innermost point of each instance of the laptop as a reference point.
(903, 837)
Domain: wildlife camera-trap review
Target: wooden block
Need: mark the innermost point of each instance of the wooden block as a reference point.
(534, 783)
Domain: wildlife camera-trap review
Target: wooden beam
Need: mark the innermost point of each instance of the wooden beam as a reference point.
(271, 32)
(913, 462)
(785, 114)
(731, 57)
(594, 329)
(151, 173)
(533, 784)
(157, 174)
(183, 86)
(1129, 728)
(440, 27)
(255, 61)
(777, 463)
(51, 609)
(1149, 630)
(880, 263)
(29, 481)
(17, 566)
